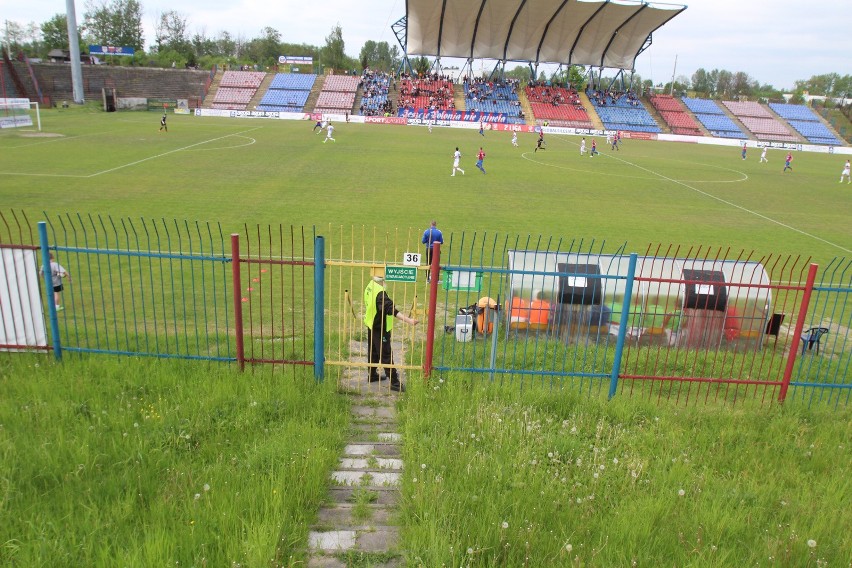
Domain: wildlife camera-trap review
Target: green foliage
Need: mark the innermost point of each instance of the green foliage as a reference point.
(118, 23)
(421, 66)
(333, 54)
(503, 476)
(150, 463)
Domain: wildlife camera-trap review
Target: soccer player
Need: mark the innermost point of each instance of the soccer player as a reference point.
(482, 128)
(540, 144)
(480, 157)
(317, 125)
(615, 139)
(456, 159)
(583, 146)
(763, 155)
(745, 149)
(329, 130)
(594, 149)
(845, 173)
(163, 125)
(515, 139)
(788, 161)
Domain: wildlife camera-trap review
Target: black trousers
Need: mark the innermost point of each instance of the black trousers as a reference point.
(379, 347)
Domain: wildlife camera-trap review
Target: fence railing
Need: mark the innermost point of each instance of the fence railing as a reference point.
(685, 325)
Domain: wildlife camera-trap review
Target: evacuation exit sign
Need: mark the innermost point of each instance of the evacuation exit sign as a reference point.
(401, 274)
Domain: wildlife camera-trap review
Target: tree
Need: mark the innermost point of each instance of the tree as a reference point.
(54, 32)
(117, 24)
(701, 82)
(333, 54)
(171, 33)
(13, 37)
(421, 66)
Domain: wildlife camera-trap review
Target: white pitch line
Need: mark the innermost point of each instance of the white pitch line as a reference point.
(171, 152)
(729, 203)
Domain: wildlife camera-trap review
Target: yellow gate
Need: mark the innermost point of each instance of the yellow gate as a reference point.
(353, 256)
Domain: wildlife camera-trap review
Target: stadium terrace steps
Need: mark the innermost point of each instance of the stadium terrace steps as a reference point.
(311, 103)
(596, 121)
(459, 100)
(214, 88)
(128, 82)
(261, 91)
(657, 115)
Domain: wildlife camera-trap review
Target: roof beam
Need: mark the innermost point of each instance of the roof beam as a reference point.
(615, 33)
(512, 27)
(582, 29)
(547, 28)
(476, 29)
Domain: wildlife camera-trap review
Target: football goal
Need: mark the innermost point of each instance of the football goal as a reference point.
(19, 113)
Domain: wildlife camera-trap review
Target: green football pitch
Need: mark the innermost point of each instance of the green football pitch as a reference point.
(245, 171)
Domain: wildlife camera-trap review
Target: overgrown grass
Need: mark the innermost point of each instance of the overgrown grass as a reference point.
(502, 477)
(125, 462)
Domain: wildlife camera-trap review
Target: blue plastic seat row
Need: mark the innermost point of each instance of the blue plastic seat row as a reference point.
(702, 106)
(794, 112)
(285, 98)
(293, 81)
(716, 122)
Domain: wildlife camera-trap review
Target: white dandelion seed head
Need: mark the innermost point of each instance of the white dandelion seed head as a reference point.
(568, 547)
(470, 551)
(681, 492)
(595, 475)
(811, 543)
(197, 496)
(206, 487)
(505, 525)
(422, 466)
(615, 461)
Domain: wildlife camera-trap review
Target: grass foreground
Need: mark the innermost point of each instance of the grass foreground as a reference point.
(127, 462)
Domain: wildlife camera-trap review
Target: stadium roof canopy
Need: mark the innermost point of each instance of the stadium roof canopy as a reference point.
(606, 33)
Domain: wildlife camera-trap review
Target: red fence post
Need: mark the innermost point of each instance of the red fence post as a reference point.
(435, 275)
(238, 300)
(797, 333)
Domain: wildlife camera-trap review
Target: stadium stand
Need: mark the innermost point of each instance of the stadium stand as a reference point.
(806, 122)
(288, 92)
(713, 118)
(494, 96)
(338, 94)
(422, 95)
(622, 111)
(759, 121)
(674, 115)
(558, 106)
(374, 93)
(236, 89)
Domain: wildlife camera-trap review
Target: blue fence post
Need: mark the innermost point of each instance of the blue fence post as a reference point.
(48, 289)
(319, 305)
(622, 328)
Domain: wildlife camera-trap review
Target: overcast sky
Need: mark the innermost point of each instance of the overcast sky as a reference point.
(774, 41)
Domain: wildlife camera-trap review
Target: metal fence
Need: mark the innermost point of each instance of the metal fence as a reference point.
(685, 325)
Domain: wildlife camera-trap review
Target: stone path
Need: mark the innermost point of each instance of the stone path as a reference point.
(358, 524)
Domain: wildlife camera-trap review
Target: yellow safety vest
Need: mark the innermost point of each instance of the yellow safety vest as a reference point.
(370, 294)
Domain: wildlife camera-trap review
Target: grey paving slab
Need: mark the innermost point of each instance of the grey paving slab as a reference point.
(376, 478)
(388, 496)
(331, 540)
(371, 463)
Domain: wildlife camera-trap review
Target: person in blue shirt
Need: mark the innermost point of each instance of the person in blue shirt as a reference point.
(431, 236)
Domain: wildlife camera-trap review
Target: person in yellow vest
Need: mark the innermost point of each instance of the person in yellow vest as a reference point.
(378, 317)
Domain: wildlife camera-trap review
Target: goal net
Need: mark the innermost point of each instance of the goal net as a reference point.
(19, 113)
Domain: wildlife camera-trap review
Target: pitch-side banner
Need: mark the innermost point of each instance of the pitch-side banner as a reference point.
(21, 314)
(456, 115)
